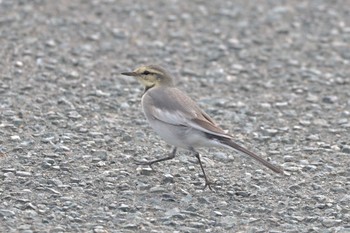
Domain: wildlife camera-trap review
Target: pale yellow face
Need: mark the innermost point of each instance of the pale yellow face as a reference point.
(151, 75)
(148, 76)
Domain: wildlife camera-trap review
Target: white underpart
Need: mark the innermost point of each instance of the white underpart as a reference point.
(176, 129)
(179, 118)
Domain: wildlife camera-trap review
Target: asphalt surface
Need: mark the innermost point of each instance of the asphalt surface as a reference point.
(275, 74)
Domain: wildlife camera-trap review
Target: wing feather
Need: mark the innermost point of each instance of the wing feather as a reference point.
(179, 110)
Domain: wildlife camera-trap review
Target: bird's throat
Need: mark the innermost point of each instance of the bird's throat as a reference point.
(147, 88)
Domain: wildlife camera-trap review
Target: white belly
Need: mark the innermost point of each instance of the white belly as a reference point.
(182, 136)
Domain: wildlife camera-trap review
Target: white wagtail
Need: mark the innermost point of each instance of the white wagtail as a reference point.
(179, 120)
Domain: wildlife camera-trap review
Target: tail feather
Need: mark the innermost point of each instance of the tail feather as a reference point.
(234, 145)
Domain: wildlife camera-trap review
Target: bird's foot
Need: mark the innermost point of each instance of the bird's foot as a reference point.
(208, 184)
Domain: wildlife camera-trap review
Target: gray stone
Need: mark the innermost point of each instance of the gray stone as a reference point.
(330, 99)
(146, 171)
(168, 178)
(101, 154)
(23, 173)
(330, 222)
(6, 213)
(346, 149)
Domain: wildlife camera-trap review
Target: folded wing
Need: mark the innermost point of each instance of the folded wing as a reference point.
(180, 110)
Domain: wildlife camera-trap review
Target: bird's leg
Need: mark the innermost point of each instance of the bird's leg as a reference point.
(207, 182)
(150, 163)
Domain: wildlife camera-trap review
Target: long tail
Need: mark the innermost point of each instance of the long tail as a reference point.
(234, 145)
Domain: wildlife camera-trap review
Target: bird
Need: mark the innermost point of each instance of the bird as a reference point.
(179, 121)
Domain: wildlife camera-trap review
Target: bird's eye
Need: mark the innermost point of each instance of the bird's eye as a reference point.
(146, 72)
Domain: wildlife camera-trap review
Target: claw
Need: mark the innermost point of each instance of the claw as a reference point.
(208, 184)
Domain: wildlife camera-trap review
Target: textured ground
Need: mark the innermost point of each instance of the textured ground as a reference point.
(276, 74)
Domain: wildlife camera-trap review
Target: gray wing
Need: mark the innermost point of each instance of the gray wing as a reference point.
(174, 107)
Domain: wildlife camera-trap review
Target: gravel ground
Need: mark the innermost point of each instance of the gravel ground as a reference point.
(274, 73)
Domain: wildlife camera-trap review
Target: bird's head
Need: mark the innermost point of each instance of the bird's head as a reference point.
(151, 76)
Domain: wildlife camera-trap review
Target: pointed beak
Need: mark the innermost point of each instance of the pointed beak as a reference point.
(129, 73)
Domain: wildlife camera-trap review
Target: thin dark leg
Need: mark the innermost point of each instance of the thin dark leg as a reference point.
(150, 163)
(207, 182)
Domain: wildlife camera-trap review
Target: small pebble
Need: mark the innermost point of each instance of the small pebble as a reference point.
(6, 213)
(73, 74)
(23, 173)
(346, 149)
(19, 64)
(124, 207)
(314, 137)
(15, 138)
(330, 99)
(146, 171)
(217, 213)
(168, 178)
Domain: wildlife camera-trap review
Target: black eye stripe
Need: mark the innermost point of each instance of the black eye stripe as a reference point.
(146, 72)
